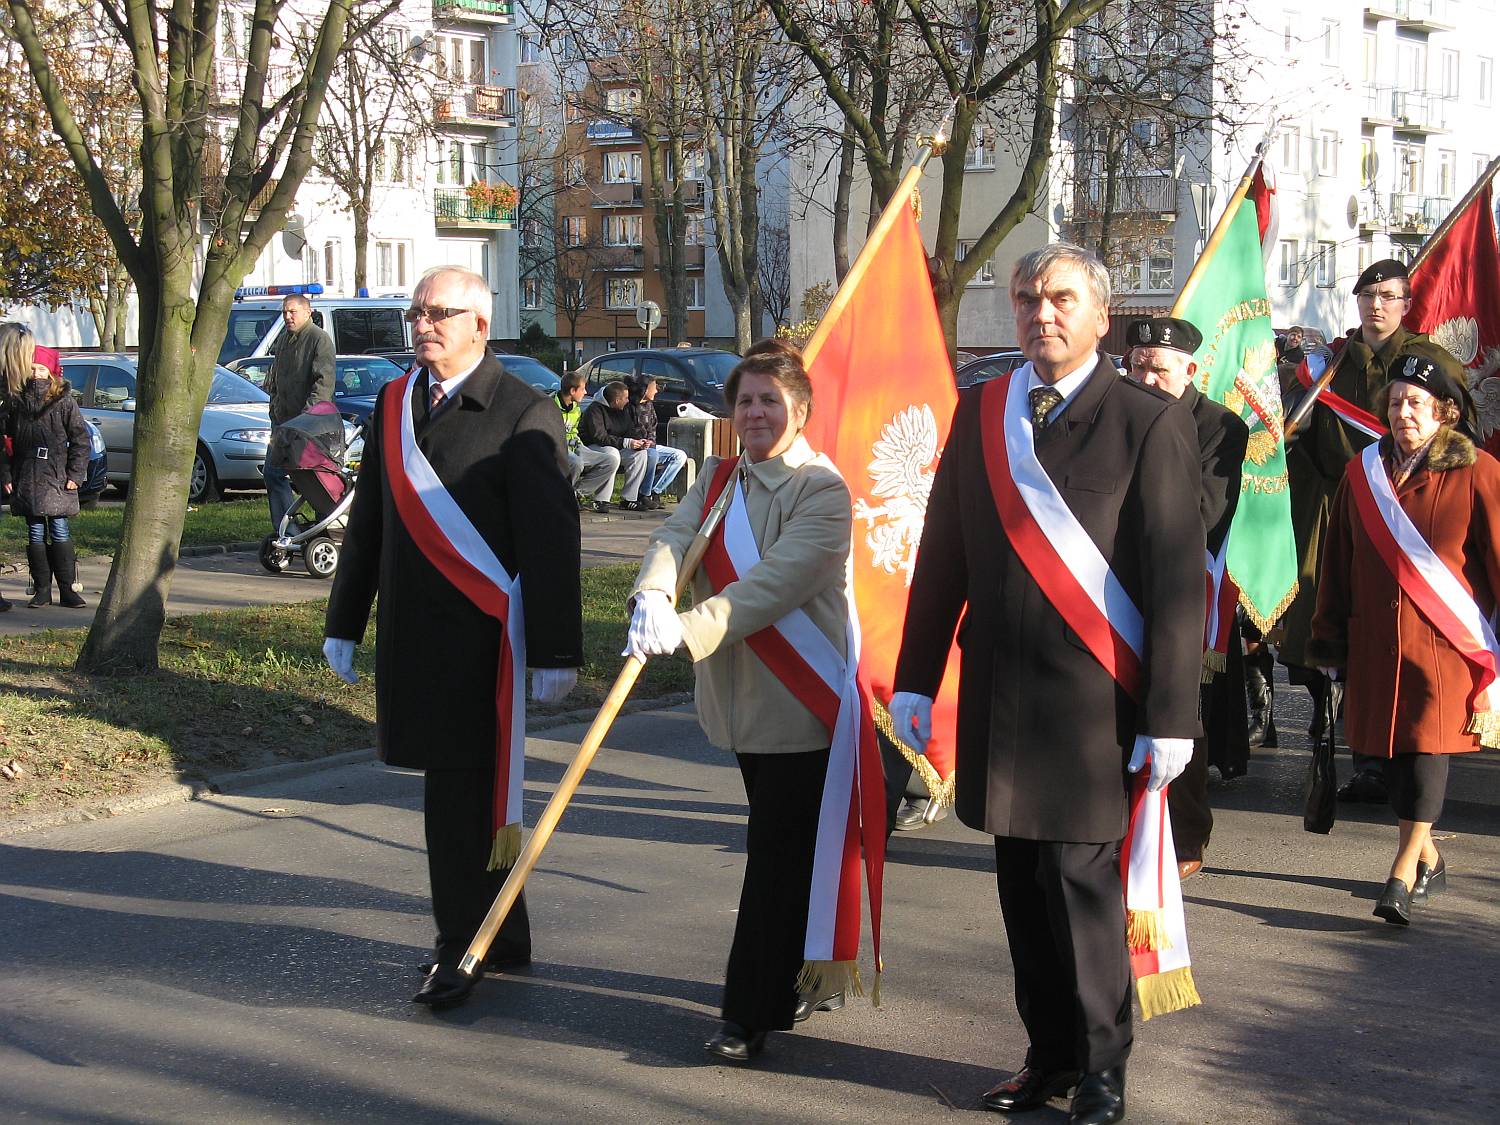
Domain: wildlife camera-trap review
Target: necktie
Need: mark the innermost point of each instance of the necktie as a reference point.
(1043, 399)
(435, 397)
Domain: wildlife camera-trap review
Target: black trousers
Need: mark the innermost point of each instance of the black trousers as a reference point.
(1064, 912)
(457, 808)
(784, 792)
(1187, 801)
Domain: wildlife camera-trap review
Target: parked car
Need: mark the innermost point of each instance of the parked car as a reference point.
(232, 435)
(97, 480)
(357, 324)
(694, 375)
(988, 366)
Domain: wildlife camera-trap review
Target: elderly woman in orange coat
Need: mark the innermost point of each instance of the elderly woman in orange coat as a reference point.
(1408, 583)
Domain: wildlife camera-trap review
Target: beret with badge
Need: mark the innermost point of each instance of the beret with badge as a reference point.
(1163, 332)
(1387, 269)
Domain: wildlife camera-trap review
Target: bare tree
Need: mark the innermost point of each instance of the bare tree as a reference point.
(775, 265)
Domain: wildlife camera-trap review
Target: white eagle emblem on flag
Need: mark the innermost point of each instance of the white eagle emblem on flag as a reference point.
(903, 463)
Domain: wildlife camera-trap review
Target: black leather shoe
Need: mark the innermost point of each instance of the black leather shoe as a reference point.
(1027, 1089)
(445, 987)
(736, 1044)
(1430, 881)
(494, 963)
(1365, 787)
(1100, 1098)
(1394, 903)
(807, 1005)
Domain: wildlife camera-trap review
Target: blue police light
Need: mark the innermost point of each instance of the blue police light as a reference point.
(363, 292)
(312, 290)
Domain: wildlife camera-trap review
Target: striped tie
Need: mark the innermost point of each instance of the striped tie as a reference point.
(435, 397)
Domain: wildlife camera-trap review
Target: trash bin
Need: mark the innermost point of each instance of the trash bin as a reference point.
(700, 437)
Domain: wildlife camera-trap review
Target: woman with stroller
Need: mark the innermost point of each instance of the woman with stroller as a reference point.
(48, 462)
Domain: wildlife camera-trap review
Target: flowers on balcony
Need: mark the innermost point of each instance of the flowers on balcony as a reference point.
(485, 197)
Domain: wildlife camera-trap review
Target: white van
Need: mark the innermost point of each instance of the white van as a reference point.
(357, 324)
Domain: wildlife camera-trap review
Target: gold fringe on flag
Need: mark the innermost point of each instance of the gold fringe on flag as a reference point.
(823, 978)
(1486, 724)
(507, 848)
(1166, 992)
(1214, 662)
(939, 790)
(1146, 930)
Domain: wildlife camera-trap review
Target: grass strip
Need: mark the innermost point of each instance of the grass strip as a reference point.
(97, 531)
(237, 689)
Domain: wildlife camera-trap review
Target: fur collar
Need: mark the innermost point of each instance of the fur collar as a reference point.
(1449, 450)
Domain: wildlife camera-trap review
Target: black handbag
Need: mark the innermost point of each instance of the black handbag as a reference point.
(1322, 781)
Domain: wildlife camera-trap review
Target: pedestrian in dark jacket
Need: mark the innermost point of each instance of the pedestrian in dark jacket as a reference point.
(663, 462)
(48, 462)
(609, 423)
(301, 376)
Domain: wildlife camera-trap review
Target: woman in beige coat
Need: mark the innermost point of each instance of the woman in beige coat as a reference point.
(798, 509)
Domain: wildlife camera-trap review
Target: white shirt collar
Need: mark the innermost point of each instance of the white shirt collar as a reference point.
(1068, 386)
(450, 385)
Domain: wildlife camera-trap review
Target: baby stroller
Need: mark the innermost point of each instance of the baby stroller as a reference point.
(311, 449)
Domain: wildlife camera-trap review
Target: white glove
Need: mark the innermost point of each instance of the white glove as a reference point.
(655, 629)
(340, 657)
(549, 685)
(911, 715)
(1168, 757)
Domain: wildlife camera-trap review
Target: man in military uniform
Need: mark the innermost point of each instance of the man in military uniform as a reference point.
(1161, 356)
(1316, 455)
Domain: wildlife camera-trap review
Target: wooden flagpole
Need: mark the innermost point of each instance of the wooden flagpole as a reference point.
(608, 711)
(1221, 228)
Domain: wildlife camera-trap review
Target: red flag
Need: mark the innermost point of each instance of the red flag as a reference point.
(1456, 300)
(883, 399)
(1267, 216)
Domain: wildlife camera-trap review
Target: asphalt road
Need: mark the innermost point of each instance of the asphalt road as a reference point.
(249, 958)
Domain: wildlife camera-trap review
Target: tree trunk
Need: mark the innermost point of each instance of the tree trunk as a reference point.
(843, 189)
(361, 211)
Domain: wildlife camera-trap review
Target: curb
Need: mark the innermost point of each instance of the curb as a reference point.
(241, 781)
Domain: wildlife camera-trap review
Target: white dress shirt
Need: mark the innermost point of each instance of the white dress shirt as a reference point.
(1067, 386)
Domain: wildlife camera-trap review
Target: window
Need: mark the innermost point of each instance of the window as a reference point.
(985, 275)
(622, 101)
(531, 292)
(622, 167)
(1329, 41)
(981, 153)
(575, 229)
(1411, 65)
(114, 386)
(391, 258)
(1286, 261)
(331, 265)
(1481, 162)
(1485, 70)
(1408, 172)
(622, 230)
(1161, 266)
(1366, 256)
(1450, 74)
(1291, 149)
(694, 164)
(1325, 274)
(1447, 172)
(531, 232)
(693, 234)
(1328, 153)
(574, 295)
(462, 59)
(575, 171)
(1366, 162)
(392, 160)
(452, 163)
(531, 47)
(1289, 32)
(356, 331)
(1372, 56)
(695, 292)
(622, 292)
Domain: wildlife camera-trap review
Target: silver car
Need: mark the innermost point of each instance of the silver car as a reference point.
(232, 437)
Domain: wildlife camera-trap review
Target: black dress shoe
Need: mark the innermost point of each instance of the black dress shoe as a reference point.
(1100, 1098)
(1364, 786)
(445, 987)
(735, 1043)
(807, 1005)
(1394, 903)
(1027, 1089)
(494, 963)
(1430, 881)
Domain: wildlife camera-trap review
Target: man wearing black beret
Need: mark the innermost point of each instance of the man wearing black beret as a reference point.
(1329, 439)
(1161, 356)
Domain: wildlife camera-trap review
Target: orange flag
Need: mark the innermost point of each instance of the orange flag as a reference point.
(884, 396)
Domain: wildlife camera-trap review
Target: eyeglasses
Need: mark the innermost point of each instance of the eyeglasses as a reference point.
(1382, 298)
(432, 313)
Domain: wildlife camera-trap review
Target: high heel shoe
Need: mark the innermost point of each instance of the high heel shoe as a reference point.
(1394, 903)
(1430, 881)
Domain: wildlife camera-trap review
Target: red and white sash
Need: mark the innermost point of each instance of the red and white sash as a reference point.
(1310, 370)
(852, 812)
(1076, 578)
(1223, 596)
(1442, 596)
(452, 544)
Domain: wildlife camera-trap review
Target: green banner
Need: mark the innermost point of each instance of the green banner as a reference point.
(1237, 367)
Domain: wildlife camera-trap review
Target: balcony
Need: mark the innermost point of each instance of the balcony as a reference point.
(617, 195)
(620, 258)
(497, 12)
(1154, 195)
(692, 257)
(1423, 15)
(1420, 112)
(1402, 213)
(454, 208)
(612, 132)
(693, 194)
(229, 81)
(1379, 102)
(486, 106)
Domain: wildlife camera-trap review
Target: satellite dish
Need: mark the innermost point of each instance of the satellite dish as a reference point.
(293, 236)
(1351, 213)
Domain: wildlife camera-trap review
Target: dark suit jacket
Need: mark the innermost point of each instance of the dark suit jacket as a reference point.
(1222, 437)
(498, 447)
(1043, 730)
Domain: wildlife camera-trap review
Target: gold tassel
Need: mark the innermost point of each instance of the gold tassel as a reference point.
(1146, 930)
(1486, 724)
(507, 848)
(823, 978)
(1166, 992)
(939, 790)
(875, 991)
(1213, 661)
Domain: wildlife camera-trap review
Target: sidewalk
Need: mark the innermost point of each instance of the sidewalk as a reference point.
(236, 579)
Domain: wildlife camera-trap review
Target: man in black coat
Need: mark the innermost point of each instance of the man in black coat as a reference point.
(1161, 356)
(609, 423)
(1044, 730)
(496, 447)
(301, 376)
